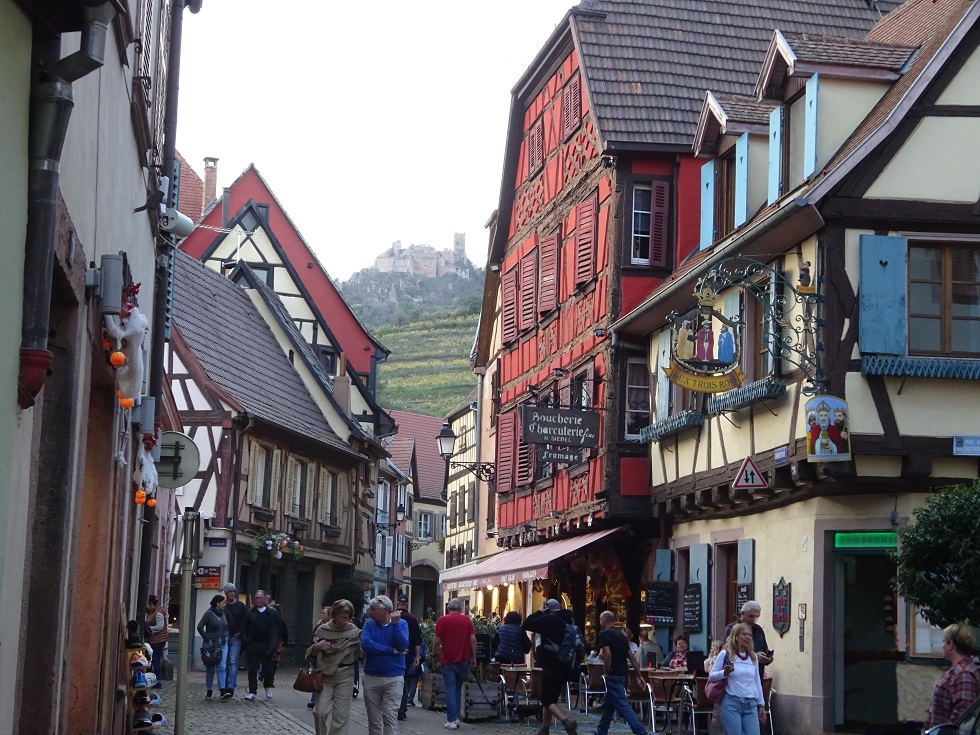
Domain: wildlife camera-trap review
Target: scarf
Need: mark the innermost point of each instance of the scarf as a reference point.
(345, 648)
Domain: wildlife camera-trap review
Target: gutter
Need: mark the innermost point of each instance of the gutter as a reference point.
(51, 106)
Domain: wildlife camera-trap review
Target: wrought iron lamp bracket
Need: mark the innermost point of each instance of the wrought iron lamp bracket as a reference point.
(485, 471)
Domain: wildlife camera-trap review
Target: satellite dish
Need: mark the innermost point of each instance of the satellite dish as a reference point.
(180, 459)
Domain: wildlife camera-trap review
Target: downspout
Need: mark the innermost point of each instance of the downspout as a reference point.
(479, 459)
(243, 422)
(51, 106)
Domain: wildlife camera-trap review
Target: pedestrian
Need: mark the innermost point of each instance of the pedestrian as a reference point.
(743, 708)
(510, 642)
(749, 615)
(235, 612)
(324, 618)
(413, 659)
(283, 636)
(549, 622)
(960, 686)
(384, 640)
(213, 628)
(336, 646)
(454, 643)
(616, 658)
(157, 632)
(261, 634)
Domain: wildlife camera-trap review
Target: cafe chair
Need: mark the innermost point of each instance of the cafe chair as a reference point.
(767, 696)
(694, 702)
(667, 699)
(639, 692)
(592, 684)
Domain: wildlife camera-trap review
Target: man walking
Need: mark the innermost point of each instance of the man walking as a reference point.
(235, 612)
(455, 645)
(384, 641)
(751, 611)
(413, 659)
(616, 657)
(261, 632)
(156, 622)
(549, 622)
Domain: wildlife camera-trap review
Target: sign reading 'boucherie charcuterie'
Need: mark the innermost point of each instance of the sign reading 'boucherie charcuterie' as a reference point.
(562, 427)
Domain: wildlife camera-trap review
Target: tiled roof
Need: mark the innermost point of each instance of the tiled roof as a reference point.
(239, 352)
(744, 109)
(190, 198)
(649, 62)
(848, 51)
(401, 449)
(431, 465)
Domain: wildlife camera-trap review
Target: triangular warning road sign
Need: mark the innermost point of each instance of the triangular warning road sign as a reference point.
(749, 477)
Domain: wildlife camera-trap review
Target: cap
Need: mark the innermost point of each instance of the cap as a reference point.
(402, 598)
(552, 605)
(229, 588)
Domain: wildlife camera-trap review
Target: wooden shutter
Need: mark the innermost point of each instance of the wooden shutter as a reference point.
(525, 464)
(810, 127)
(571, 106)
(529, 277)
(741, 179)
(470, 503)
(535, 147)
(775, 153)
(663, 385)
(659, 219)
(700, 573)
(389, 548)
(291, 467)
(253, 473)
(707, 204)
(310, 490)
(548, 274)
(506, 439)
(585, 237)
(508, 306)
(274, 485)
(883, 292)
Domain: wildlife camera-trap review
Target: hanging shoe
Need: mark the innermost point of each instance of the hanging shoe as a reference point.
(139, 679)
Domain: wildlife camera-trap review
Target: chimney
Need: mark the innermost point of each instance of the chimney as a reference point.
(210, 180)
(341, 384)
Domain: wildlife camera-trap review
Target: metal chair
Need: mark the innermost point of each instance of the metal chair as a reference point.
(666, 701)
(694, 702)
(639, 691)
(591, 683)
(767, 697)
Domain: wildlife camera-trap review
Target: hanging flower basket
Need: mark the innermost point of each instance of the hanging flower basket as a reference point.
(276, 545)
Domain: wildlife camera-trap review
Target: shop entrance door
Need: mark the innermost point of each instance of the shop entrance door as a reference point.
(866, 648)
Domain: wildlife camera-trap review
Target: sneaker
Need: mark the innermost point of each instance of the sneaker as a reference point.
(139, 679)
(402, 716)
(208, 695)
(250, 696)
(412, 704)
(268, 692)
(571, 726)
(227, 694)
(138, 660)
(454, 725)
(155, 700)
(158, 719)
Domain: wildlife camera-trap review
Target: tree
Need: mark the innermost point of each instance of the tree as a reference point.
(938, 557)
(345, 589)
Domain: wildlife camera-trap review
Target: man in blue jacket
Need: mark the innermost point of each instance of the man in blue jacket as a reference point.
(384, 640)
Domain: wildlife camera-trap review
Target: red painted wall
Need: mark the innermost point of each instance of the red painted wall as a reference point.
(634, 476)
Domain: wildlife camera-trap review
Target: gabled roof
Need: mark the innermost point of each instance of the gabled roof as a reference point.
(403, 457)
(239, 353)
(190, 198)
(431, 465)
(730, 114)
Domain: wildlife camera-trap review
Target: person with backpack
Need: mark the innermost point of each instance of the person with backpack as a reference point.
(561, 644)
(616, 657)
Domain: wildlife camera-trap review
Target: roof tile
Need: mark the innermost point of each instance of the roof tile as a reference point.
(432, 467)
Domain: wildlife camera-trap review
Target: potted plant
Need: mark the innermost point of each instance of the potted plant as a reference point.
(433, 689)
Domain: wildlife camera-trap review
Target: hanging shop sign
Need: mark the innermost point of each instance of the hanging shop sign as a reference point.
(743, 594)
(827, 432)
(781, 600)
(560, 427)
(706, 346)
(661, 603)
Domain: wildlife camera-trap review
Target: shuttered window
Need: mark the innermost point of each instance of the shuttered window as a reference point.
(529, 274)
(506, 440)
(535, 147)
(585, 240)
(508, 306)
(571, 106)
(649, 245)
(548, 274)
(525, 464)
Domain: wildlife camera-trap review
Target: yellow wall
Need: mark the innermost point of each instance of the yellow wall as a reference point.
(965, 87)
(841, 106)
(758, 173)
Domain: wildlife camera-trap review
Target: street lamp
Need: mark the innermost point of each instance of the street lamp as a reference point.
(399, 517)
(446, 441)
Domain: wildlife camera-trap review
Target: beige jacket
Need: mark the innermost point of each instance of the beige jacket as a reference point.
(344, 651)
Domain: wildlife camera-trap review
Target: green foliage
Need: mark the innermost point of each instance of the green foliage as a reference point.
(938, 557)
(344, 589)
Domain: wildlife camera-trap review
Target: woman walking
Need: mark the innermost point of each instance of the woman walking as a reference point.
(214, 630)
(337, 645)
(743, 709)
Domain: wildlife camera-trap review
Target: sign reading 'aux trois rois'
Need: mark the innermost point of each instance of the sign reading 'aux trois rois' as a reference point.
(559, 427)
(705, 349)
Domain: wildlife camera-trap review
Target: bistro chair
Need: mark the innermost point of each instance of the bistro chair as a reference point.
(639, 692)
(694, 702)
(667, 699)
(591, 684)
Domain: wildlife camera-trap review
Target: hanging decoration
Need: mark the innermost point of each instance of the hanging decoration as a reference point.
(276, 544)
(127, 331)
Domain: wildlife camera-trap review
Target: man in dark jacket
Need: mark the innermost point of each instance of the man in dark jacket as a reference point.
(235, 612)
(549, 622)
(261, 632)
(413, 659)
(749, 615)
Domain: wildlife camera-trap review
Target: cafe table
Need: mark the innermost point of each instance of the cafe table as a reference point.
(667, 689)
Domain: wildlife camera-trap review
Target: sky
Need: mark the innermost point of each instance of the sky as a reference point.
(371, 121)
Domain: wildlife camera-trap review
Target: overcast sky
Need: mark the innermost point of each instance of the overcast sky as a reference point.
(372, 122)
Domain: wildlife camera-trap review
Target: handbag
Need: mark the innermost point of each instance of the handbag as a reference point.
(210, 654)
(715, 690)
(308, 679)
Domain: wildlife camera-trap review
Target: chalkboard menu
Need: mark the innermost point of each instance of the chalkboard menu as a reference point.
(692, 608)
(661, 607)
(743, 593)
(484, 642)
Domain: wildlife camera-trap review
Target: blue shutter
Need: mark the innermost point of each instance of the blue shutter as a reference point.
(810, 130)
(883, 325)
(701, 574)
(742, 179)
(707, 204)
(663, 571)
(745, 561)
(775, 152)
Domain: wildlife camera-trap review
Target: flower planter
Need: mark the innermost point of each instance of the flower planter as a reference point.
(433, 691)
(481, 704)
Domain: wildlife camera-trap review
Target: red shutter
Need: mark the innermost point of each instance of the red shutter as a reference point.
(508, 306)
(585, 227)
(525, 465)
(529, 276)
(506, 439)
(659, 202)
(548, 279)
(571, 106)
(535, 147)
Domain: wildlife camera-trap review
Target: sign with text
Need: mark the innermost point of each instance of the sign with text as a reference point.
(781, 601)
(661, 603)
(692, 608)
(207, 578)
(560, 427)
(561, 455)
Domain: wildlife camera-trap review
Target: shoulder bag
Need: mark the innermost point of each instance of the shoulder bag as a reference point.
(715, 690)
(308, 679)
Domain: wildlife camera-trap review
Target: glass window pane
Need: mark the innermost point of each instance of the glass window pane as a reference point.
(641, 247)
(641, 199)
(966, 300)
(925, 335)
(965, 335)
(926, 299)
(966, 265)
(641, 223)
(925, 264)
(637, 374)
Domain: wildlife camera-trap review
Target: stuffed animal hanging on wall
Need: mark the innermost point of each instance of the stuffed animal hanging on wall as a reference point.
(129, 333)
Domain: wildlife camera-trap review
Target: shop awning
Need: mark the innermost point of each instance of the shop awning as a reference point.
(518, 565)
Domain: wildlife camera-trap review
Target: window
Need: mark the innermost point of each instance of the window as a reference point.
(509, 326)
(637, 396)
(725, 193)
(384, 496)
(535, 148)
(442, 526)
(328, 498)
(944, 299)
(528, 276)
(264, 467)
(327, 358)
(548, 274)
(571, 106)
(298, 476)
(402, 497)
(649, 244)
(581, 391)
(585, 240)
(425, 526)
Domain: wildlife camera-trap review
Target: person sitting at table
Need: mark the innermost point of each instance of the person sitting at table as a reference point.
(510, 642)
(650, 652)
(679, 659)
(634, 648)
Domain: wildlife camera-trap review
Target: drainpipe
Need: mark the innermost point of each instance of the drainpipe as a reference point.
(51, 106)
(243, 423)
(479, 458)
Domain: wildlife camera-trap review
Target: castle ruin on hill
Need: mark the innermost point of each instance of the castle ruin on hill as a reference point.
(425, 260)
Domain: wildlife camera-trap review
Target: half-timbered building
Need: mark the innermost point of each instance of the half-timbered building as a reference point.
(840, 247)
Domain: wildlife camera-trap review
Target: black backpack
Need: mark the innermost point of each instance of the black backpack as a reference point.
(571, 650)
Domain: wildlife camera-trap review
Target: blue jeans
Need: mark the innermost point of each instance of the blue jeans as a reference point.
(739, 716)
(454, 675)
(231, 662)
(156, 659)
(412, 676)
(617, 701)
(220, 667)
